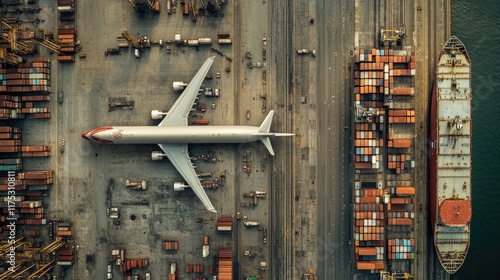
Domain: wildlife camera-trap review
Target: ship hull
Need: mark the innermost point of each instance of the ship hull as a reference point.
(450, 161)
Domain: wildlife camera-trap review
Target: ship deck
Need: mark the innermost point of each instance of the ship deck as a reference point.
(454, 155)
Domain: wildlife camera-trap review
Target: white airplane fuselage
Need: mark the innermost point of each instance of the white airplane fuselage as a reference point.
(174, 134)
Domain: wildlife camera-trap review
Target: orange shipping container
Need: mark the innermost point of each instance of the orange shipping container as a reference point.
(402, 143)
(365, 265)
(405, 191)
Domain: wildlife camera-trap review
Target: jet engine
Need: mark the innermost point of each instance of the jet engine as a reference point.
(157, 115)
(157, 155)
(179, 85)
(179, 187)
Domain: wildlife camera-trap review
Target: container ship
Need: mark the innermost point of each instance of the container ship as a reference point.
(451, 155)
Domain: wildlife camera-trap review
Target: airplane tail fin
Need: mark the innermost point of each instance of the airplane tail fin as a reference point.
(264, 129)
(266, 124)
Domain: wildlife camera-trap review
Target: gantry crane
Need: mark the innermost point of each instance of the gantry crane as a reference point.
(8, 57)
(194, 15)
(11, 35)
(144, 5)
(131, 39)
(386, 275)
(213, 5)
(19, 36)
(41, 269)
(22, 273)
(7, 274)
(5, 248)
(45, 39)
(392, 36)
(55, 245)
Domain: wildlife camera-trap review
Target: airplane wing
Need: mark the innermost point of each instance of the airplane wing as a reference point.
(178, 114)
(178, 156)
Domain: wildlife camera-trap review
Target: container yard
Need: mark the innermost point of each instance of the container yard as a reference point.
(384, 121)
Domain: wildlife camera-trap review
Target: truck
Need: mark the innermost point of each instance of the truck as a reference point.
(247, 203)
(303, 51)
(264, 234)
(212, 92)
(185, 9)
(199, 122)
(114, 213)
(112, 51)
(251, 223)
(142, 185)
(173, 273)
(264, 47)
(206, 246)
(260, 194)
(60, 96)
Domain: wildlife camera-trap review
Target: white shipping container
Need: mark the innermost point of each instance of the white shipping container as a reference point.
(225, 41)
(65, 9)
(36, 76)
(224, 228)
(193, 43)
(205, 41)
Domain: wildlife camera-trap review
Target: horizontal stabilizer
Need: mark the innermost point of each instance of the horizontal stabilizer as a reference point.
(267, 143)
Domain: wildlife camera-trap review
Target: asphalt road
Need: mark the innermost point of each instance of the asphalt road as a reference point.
(280, 253)
(334, 216)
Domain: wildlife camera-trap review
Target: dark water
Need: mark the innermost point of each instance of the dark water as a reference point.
(477, 25)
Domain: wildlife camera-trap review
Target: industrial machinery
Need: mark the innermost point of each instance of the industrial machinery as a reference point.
(138, 43)
(386, 275)
(145, 5)
(194, 11)
(19, 36)
(9, 58)
(392, 36)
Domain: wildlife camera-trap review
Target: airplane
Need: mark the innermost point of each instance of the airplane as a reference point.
(173, 134)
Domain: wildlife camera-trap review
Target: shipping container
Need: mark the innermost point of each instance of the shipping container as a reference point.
(224, 41)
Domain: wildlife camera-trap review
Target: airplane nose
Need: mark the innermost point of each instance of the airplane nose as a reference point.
(87, 134)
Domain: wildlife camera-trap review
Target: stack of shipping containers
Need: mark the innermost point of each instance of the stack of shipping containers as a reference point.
(383, 102)
(369, 226)
(10, 146)
(225, 266)
(400, 209)
(67, 39)
(66, 32)
(23, 87)
(401, 249)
